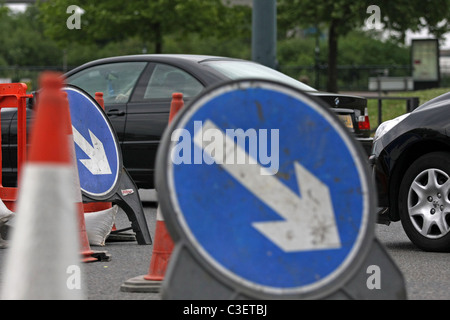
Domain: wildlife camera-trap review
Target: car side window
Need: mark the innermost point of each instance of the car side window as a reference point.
(115, 80)
(166, 80)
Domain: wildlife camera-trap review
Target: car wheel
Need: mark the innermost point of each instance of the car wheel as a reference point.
(424, 202)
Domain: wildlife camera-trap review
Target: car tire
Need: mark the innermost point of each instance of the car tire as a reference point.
(424, 202)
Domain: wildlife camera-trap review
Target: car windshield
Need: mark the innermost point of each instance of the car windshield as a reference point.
(236, 70)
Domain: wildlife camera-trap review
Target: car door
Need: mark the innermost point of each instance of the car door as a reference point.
(116, 81)
(148, 116)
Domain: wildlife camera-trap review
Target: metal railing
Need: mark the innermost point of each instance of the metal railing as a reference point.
(411, 104)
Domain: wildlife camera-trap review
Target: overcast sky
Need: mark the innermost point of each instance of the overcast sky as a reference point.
(444, 45)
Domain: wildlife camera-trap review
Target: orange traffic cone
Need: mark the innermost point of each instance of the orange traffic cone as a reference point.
(176, 104)
(163, 244)
(162, 250)
(43, 260)
(100, 100)
(87, 254)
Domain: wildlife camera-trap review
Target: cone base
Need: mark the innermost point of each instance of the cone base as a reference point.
(93, 256)
(139, 284)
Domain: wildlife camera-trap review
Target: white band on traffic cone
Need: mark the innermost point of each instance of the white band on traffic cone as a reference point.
(43, 260)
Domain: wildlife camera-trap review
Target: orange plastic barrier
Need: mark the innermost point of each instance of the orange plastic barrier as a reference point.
(14, 95)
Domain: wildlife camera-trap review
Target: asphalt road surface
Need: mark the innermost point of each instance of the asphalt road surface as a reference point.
(427, 275)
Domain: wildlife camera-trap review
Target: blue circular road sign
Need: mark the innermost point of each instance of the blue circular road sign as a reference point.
(96, 146)
(267, 188)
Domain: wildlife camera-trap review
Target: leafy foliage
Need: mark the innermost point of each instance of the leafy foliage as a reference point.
(23, 41)
(341, 16)
(40, 36)
(111, 21)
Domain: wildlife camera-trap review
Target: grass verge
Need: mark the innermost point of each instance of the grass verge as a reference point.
(394, 108)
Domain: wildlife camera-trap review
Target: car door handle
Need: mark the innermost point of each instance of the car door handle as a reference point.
(115, 112)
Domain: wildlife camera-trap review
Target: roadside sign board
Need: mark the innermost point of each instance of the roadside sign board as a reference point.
(99, 163)
(266, 190)
(96, 146)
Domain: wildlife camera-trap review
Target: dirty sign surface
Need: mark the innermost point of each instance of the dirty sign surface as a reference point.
(96, 147)
(268, 188)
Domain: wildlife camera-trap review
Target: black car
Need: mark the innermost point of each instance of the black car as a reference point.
(411, 168)
(138, 92)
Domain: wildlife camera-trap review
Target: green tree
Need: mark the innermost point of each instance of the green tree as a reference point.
(110, 21)
(362, 48)
(341, 16)
(23, 40)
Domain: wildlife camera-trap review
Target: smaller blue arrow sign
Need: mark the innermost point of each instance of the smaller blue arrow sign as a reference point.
(96, 147)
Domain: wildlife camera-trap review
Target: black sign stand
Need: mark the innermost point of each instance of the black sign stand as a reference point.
(127, 197)
(216, 287)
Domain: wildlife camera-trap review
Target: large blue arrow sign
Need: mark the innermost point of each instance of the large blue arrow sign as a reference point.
(268, 187)
(96, 146)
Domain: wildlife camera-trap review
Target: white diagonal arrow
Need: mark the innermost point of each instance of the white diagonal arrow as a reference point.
(98, 161)
(309, 222)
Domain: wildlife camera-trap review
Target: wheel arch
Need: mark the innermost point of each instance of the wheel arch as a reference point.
(407, 157)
